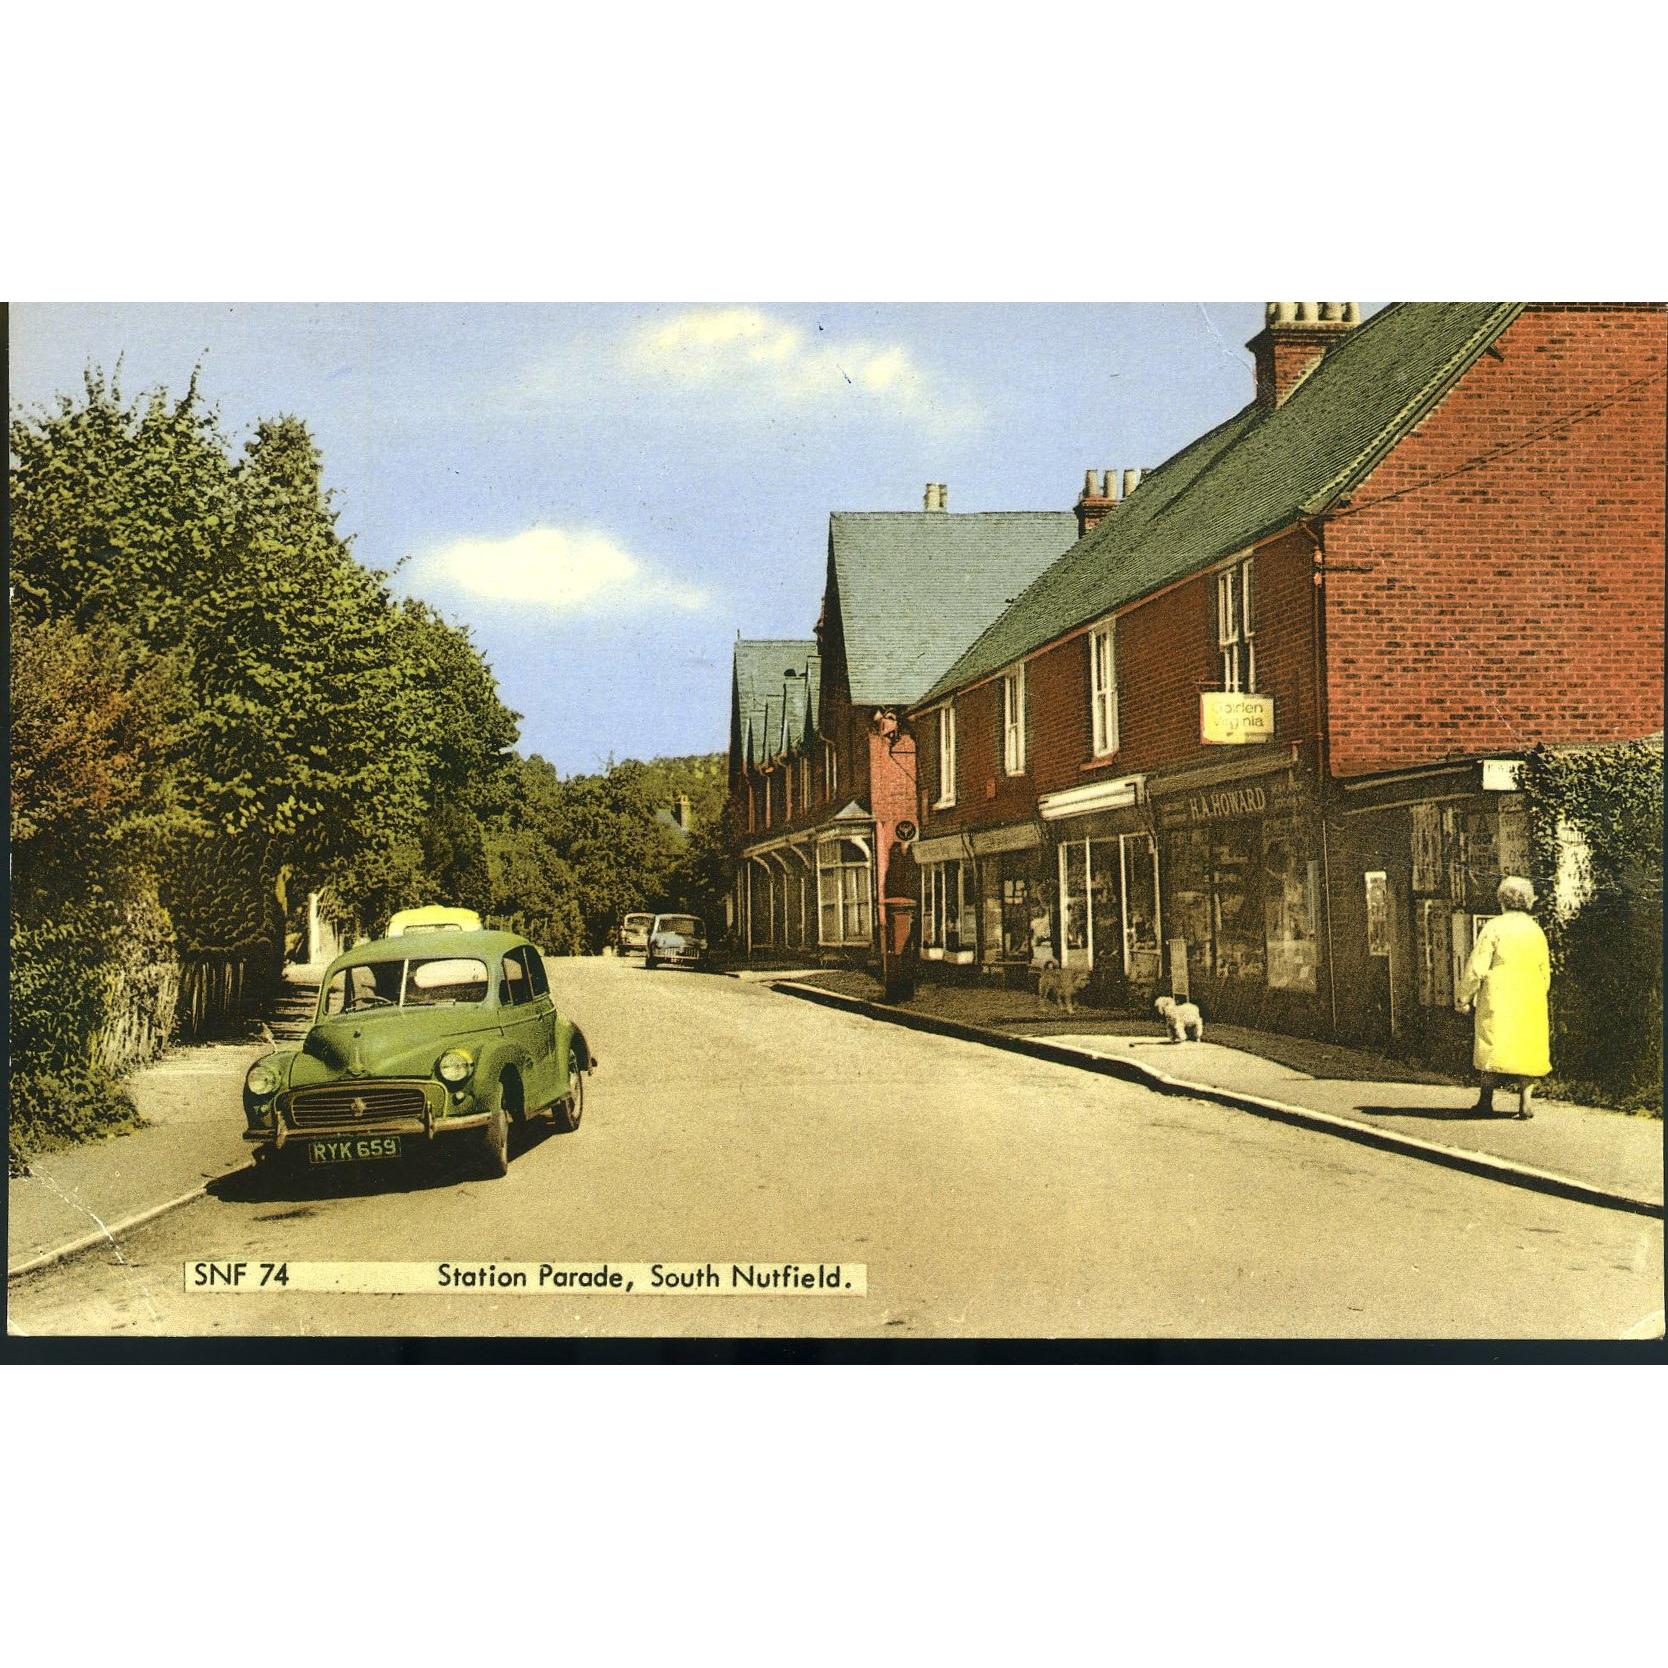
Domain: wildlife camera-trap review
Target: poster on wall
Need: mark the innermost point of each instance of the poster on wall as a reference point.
(1378, 912)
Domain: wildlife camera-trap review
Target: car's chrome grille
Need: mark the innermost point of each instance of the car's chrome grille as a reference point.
(339, 1103)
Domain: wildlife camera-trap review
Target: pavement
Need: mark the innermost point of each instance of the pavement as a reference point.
(1611, 1156)
(191, 1102)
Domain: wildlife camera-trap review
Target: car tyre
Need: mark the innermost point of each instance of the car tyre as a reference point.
(495, 1139)
(568, 1111)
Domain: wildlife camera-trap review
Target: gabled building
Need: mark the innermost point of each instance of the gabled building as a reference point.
(1257, 734)
(822, 768)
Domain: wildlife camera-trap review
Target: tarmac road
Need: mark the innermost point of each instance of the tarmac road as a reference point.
(988, 1196)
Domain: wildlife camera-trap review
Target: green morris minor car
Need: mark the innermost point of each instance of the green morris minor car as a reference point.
(429, 1038)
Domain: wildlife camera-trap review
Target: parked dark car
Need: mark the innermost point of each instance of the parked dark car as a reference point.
(438, 1037)
(676, 941)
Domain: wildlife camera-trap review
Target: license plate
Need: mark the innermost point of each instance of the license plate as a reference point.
(350, 1149)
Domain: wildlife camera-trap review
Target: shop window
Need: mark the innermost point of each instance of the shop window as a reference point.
(1074, 901)
(1019, 899)
(947, 754)
(943, 903)
(1013, 721)
(1188, 858)
(1236, 921)
(843, 892)
(1141, 917)
(1235, 625)
(1103, 691)
(1289, 910)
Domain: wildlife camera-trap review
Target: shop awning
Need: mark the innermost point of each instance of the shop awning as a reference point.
(1092, 796)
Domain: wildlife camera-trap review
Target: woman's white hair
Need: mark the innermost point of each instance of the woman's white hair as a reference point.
(1516, 893)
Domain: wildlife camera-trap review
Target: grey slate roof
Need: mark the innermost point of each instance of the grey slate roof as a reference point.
(1255, 474)
(770, 680)
(916, 587)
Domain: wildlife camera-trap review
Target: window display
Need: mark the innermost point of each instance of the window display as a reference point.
(1236, 919)
(1290, 889)
(1074, 899)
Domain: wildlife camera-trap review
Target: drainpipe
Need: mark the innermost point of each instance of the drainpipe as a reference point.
(1323, 753)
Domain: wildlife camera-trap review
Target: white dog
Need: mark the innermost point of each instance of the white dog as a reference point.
(1184, 1019)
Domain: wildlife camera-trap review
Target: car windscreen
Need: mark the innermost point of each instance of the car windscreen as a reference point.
(638, 920)
(685, 925)
(427, 982)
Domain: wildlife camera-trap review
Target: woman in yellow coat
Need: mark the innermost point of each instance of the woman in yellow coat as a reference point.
(1508, 975)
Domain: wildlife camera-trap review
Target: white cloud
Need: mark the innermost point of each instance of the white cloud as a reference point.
(570, 570)
(755, 357)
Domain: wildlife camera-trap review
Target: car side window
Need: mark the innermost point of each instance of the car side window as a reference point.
(535, 966)
(517, 987)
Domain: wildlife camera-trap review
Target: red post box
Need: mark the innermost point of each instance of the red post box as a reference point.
(900, 949)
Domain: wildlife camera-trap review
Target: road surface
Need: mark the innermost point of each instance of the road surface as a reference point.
(987, 1196)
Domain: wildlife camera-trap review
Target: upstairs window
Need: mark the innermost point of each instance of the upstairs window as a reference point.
(1013, 721)
(946, 754)
(804, 782)
(1103, 691)
(1235, 625)
(830, 770)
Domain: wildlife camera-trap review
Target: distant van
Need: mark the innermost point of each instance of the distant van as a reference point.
(432, 918)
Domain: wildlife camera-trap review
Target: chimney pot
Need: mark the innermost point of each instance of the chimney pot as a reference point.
(1090, 489)
(1132, 479)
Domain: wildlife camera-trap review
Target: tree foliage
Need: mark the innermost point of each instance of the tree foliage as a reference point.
(215, 706)
(1603, 805)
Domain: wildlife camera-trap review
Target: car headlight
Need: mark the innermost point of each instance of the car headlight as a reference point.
(454, 1065)
(261, 1081)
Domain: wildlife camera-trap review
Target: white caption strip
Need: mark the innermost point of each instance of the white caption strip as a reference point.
(716, 1279)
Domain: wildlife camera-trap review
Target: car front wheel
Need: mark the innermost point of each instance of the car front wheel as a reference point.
(567, 1112)
(495, 1140)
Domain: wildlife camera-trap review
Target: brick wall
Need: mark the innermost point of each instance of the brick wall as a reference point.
(1521, 601)
(1167, 654)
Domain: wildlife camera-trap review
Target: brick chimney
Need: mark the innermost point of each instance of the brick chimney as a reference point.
(937, 496)
(1100, 496)
(1294, 336)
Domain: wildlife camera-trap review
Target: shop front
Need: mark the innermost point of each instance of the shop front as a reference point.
(1110, 917)
(987, 900)
(1417, 861)
(1242, 866)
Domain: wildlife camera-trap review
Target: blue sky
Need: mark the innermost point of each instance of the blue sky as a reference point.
(607, 494)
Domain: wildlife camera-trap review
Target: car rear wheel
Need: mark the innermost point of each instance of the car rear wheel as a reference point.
(567, 1112)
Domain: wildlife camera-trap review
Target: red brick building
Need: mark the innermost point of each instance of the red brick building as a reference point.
(1257, 733)
(822, 766)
